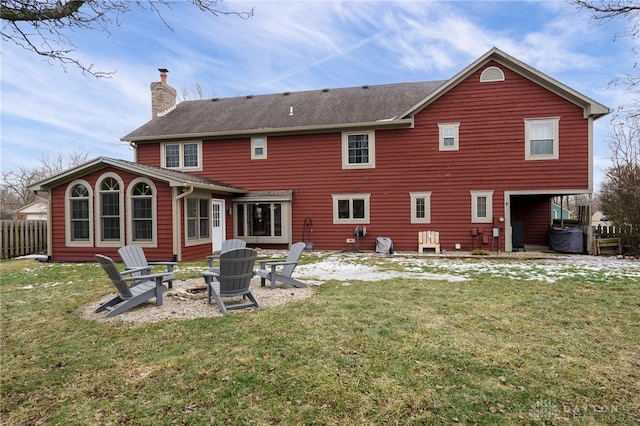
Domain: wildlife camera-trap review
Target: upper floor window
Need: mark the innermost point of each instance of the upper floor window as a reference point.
(198, 220)
(142, 213)
(259, 148)
(541, 138)
(358, 150)
(481, 206)
(182, 155)
(420, 207)
(448, 135)
(351, 208)
(110, 205)
(79, 214)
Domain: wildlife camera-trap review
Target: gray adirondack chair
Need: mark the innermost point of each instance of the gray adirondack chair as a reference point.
(281, 270)
(226, 246)
(133, 258)
(143, 288)
(232, 279)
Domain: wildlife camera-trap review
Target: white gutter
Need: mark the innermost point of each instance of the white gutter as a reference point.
(405, 122)
(177, 229)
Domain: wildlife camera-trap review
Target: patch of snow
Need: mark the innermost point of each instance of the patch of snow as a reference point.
(362, 267)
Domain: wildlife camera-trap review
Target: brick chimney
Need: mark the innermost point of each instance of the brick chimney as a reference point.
(163, 96)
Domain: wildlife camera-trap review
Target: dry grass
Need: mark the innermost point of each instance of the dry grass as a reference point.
(488, 350)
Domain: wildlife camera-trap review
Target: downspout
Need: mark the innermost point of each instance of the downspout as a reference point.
(177, 229)
(49, 223)
(135, 151)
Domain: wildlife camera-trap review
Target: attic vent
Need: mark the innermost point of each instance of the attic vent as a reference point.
(215, 99)
(249, 96)
(366, 86)
(491, 74)
(286, 93)
(325, 90)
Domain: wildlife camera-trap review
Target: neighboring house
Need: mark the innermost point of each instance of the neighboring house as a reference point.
(558, 212)
(466, 157)
(599, 219)
(34, 211)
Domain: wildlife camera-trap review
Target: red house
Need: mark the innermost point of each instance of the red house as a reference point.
(474, 158)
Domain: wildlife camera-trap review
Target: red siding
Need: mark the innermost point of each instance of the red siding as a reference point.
(491, 157)
(60, 252)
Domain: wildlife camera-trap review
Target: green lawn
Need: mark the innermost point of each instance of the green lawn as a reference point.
(492, 349)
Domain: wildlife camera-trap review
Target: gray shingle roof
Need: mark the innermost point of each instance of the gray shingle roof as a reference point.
(172, 177)
(314, 108)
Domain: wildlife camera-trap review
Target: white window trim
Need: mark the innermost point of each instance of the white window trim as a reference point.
(98, 211)
(188, 242)
(163, 156)
(154, 227)
(254, 155)
(285, 217)
(555, 121)
(456, 136)
(427, 207)
(491, 74)
(69, 241)
(372, 151)
(364, 221)
(474, 206)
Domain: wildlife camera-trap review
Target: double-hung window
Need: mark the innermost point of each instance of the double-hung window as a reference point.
(481, 206)
(142, 207)
(259, 148)
(358, 150)
(79, 214)
(541, 138)
(182, 155)
(449, 136)
(198, 220)
(420, 207)
(351, 208)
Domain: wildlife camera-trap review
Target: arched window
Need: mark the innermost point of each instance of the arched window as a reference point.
(110, 205)
(142, 213)
(79, 214)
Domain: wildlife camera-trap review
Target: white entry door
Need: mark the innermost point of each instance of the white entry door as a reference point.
(217, 224)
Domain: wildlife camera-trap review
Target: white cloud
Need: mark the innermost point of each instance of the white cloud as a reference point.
(291, 45)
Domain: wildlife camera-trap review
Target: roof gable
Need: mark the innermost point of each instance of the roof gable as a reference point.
(171, 177)
(591, 108)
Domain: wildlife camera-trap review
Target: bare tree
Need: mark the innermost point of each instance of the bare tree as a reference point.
(620, 193)
(13, 187)
(606, 11)
(197, 93)
(43, 26)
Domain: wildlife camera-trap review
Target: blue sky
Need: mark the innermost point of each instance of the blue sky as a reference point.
(290, 46)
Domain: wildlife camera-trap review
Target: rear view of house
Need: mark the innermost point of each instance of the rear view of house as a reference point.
(474, 157)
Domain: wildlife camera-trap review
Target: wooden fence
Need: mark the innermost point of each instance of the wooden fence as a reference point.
(22, 237)
(602, 231)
